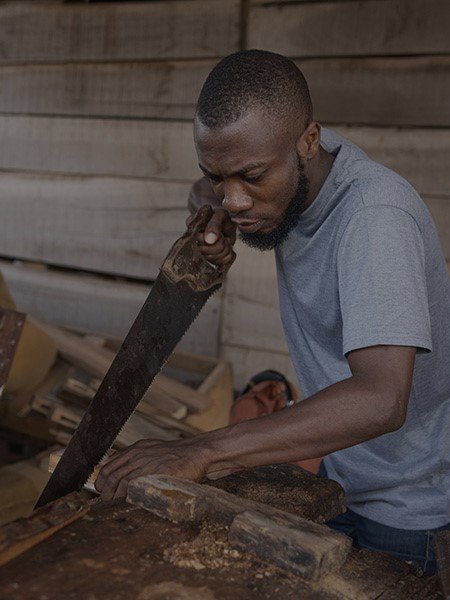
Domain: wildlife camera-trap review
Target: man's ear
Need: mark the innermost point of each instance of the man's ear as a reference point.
(309, 141)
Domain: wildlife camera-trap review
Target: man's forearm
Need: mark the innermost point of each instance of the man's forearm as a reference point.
(345, 414)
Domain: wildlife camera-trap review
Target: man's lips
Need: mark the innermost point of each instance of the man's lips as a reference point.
(248, 226)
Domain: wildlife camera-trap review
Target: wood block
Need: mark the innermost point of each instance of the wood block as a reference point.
(288, 488)
(343, 28)
(298, 550)
(321, 548)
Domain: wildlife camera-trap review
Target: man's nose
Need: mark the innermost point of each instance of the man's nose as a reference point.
(235, 199)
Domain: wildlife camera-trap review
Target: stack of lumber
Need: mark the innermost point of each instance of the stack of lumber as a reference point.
(193, 394)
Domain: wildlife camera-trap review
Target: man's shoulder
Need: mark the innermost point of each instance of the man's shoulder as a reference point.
(371, 184)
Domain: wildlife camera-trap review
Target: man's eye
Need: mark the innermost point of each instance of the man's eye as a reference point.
(252, 179)
(214, 178)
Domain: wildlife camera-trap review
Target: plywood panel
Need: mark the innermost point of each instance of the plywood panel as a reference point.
(100, 305)
(149, 89)
(165, 150)
(380, 91)
(364, 28)
(120, 226)
(31, 32)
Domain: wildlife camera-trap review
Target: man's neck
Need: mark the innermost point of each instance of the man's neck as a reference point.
(317, 171)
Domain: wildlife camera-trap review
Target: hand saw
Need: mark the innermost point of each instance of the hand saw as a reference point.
(184, 284)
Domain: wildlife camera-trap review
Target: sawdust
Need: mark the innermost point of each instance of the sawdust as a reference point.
(210, 549)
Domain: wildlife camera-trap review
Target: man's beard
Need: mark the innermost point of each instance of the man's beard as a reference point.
(291, 217)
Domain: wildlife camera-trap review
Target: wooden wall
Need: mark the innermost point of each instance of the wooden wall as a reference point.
(97, 157)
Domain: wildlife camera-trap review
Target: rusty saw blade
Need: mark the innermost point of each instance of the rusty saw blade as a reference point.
(181, 289)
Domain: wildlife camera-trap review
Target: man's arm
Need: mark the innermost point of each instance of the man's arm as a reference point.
(370, 403)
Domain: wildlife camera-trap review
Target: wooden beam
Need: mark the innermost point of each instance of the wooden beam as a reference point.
(99, 305)
(368, 27)
(34, 32)
(165, 150)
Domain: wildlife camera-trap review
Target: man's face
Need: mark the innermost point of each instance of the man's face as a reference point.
(257, 173)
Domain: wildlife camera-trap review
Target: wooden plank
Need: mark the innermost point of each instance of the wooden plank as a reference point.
(369, 27)
(119, 226)
(120, 31)
(165, 150)
(150, 149)
(353, 90)
(151, 90)
(380, 91)
(99, 305)
(18, 537)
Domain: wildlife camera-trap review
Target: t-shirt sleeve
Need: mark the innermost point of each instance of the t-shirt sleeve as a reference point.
(382, 284)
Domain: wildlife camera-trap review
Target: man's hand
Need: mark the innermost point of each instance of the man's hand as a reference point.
(216, 242)
(181, 458)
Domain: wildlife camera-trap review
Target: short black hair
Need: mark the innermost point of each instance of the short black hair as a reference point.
(253, 79)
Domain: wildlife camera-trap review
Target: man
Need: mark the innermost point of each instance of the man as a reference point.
(364, 299)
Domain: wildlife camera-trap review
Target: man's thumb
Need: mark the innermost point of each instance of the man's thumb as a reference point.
(211, 238)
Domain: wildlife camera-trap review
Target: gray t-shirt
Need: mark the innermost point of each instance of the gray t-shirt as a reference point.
(364, 267)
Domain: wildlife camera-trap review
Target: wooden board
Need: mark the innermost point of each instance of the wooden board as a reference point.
(151, 149)
(354, 90)
(369, 27)
(46, 32)
(119, 226)
(151, 89)
(165, 150)
(99, 305)
(380, 91)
